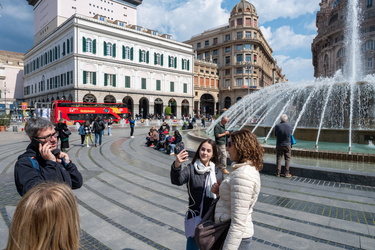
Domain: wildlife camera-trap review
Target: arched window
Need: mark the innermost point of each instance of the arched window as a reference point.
(340, 53)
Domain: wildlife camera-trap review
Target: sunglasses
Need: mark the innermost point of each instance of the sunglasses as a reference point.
(48, 137)
(229, 144)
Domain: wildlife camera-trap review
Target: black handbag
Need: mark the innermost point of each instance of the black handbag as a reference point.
(67, 132)
(210, 235)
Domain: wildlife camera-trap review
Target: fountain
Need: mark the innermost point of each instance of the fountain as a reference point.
(340, 109)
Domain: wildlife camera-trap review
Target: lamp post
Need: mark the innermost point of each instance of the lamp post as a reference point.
(5, 96)
(248, 65)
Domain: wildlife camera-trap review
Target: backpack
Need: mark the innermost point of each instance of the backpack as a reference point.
(99, 126)
(102, 125)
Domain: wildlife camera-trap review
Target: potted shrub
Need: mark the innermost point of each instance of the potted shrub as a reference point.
(4, 121)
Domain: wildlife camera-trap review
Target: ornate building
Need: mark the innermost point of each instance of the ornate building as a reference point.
(95, 58)
(328, 47)
(243, 56)
(206, 87)
(11, 82)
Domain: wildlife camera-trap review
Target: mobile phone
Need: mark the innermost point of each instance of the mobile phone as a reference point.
(35, 143)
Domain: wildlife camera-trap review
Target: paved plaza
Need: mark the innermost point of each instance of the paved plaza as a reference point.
(128, 202)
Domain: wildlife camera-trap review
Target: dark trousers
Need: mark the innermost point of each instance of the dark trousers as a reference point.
(285, 151)
(131, 131)
(82, 139)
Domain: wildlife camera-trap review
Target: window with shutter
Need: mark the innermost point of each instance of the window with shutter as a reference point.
(105, 48)
(105, 79)
(84, 77)
(94, 46)
(83, 44)
(172, 86)
(143, 83)
(127, 81)
(94, 78)
(158, 85)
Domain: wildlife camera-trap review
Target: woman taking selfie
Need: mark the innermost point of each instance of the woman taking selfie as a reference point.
(239, 191)
(199, 176)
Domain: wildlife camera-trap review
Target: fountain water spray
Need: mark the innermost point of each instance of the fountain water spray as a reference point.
(345, 102)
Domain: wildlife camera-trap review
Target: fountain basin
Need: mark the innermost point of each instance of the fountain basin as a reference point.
(326, 135)
(326, 165)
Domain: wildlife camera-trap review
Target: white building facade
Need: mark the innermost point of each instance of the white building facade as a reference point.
(94, 59)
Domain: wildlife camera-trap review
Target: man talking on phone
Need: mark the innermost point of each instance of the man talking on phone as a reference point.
(43, 161)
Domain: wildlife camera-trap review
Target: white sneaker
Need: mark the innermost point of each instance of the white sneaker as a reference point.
(88, 146)
(132, 136)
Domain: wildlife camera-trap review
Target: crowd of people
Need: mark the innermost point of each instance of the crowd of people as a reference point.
(45, 177)
(163, 140)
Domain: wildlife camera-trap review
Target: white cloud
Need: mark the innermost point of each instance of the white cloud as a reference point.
(284, 38)
(182, 19)
(296, 69)
(14, 10)
(311, 26)
(273, 9)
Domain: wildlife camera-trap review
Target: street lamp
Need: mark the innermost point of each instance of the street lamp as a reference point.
(248, 65)
(5, 95)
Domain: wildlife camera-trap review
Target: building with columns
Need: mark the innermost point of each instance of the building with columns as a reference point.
(328, 47)
(243, 56)
(11, 81)
(206, 87)
(100, 57)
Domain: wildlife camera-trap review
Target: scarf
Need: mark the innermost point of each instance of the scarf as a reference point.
(211, 179)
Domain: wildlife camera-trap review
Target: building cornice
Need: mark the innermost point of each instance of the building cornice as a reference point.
(134, 2)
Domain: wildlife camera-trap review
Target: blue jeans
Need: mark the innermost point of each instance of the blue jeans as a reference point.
(109, 130)
(173, 146)
(191, 244)
(245, 244)
(98, 135)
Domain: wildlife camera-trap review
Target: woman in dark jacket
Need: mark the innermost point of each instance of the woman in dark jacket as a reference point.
(62, 128)
(199, 176)
(177, 138)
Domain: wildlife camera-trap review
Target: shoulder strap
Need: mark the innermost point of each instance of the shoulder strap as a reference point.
(34, 162)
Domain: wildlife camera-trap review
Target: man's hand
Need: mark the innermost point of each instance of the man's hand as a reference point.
(45, 151)
(63, 155)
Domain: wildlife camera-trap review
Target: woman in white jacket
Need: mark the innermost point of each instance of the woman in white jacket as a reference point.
(240, 190)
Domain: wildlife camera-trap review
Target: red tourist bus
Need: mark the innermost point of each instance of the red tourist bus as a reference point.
(73, 112)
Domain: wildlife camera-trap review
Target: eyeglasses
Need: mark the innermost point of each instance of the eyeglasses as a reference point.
(229, 144)
(48, 137)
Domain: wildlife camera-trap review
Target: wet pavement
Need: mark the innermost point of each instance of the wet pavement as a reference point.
(128, 202)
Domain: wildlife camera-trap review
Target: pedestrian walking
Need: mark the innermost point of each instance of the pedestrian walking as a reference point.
(109, 126)
(63, 134)
(81, 132)
(88, 133)
(98, 126)
(132, 125)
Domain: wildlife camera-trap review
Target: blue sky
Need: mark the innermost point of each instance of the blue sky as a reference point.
(288, 25)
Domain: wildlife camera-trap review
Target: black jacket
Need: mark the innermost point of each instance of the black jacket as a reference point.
(283, 130)
(195, 183)
(26, 176)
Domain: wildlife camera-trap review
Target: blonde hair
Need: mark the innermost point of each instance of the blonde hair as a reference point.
(248, 148)
(46, 218)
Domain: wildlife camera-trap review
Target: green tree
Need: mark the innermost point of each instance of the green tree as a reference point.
(168, 110)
